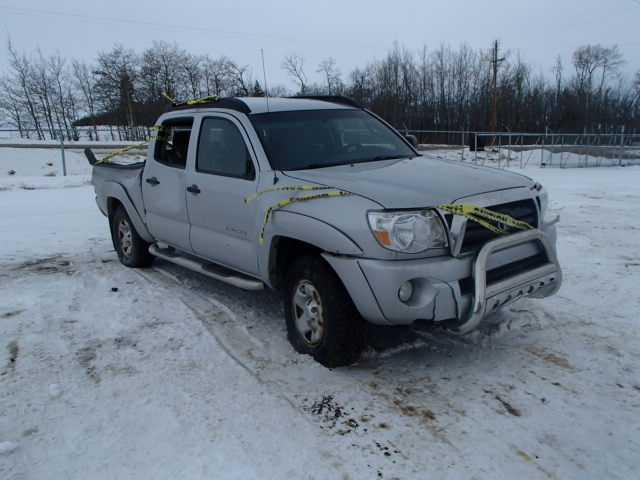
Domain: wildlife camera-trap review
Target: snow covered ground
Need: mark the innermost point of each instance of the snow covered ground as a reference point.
(47, 162)
(108, 372)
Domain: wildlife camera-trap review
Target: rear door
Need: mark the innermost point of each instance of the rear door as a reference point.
(163, 184)
(223, 226)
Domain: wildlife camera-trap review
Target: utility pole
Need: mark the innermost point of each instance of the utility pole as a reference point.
(495, 60)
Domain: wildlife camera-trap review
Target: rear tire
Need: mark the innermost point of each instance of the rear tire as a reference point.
(322, 320)
(132, 250)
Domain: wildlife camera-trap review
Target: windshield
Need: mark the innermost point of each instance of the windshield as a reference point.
(299, 140)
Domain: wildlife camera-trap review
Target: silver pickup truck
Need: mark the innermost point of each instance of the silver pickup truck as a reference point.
(325, 202)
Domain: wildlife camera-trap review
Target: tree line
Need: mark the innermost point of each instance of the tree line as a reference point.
(442, 89)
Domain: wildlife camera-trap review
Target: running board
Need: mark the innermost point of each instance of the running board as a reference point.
(210, 270)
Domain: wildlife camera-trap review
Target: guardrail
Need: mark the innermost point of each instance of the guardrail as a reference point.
(89, 134)
(63, 146)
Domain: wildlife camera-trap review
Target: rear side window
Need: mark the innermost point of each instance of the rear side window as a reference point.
(172, 143)
(222, 150)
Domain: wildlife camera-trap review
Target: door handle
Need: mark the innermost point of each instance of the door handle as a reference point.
(153, 181)
(193, 189)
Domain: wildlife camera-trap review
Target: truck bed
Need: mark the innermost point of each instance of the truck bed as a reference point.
(128, 177)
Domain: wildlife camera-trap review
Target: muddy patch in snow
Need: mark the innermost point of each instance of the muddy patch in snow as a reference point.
(551, 358)
(86, 357)
(511, 410)
(46, 266)
(11, 313)
(332, 415)
(14, 350)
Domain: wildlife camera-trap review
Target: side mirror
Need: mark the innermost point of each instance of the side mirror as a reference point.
(413, 140)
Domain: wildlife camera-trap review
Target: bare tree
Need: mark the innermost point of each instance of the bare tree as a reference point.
(22, 74)
(610, 61)
(557, 73)
(11, 106)
(193, 72)
(447, 89)
(217, 75)
(636, 88)
(294, 66)
(162, 72)
(85, 83)
(589, 58)
(116, 75)
(62, 102)
(331, 73)
(240, 79)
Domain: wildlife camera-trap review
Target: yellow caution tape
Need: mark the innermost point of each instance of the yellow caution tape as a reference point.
(292, 200)
(196, 101)
(117, 153)
(171, 99)
(291, 188)
(199, 101)
(493, 221)
(159, 135)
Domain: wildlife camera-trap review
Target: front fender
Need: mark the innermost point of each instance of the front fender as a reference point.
(315, 232)
(117, 191)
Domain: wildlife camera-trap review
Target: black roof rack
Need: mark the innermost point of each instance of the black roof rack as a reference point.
(226, 102)
(333, 99)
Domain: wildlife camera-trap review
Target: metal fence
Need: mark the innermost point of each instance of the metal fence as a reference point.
(545, 149)
(504, 149)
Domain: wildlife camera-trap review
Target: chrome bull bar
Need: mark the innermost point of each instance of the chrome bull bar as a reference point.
(539, 282)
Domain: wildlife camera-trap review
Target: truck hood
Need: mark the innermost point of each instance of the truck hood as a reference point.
(413, 183)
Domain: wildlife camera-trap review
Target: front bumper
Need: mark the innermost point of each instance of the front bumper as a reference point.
(463, 289)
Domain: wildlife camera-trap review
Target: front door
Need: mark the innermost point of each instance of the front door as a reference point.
(163, 184)
(223, 226)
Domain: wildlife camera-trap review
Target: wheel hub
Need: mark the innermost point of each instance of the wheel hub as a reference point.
(307, 310)
(125, 239)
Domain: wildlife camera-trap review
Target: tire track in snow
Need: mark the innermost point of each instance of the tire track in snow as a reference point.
(203, 307)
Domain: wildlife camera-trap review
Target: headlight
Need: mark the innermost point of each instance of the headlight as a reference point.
(408, 232)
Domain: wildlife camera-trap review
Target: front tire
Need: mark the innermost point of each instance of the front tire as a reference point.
(321, 318)
(132, 250)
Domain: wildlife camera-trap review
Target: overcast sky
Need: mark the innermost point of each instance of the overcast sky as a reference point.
(352, 31)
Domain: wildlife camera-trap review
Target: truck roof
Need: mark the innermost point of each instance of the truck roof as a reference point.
(255, 105)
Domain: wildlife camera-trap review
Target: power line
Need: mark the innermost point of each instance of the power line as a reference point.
(131, 21)
(13, 10)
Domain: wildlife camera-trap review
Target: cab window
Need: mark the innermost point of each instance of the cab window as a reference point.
(222, 150)
(172, 142)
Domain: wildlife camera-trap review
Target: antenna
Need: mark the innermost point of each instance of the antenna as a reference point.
(264, 74)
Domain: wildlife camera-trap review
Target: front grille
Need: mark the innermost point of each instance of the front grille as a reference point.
(506, 271)
(476, 235)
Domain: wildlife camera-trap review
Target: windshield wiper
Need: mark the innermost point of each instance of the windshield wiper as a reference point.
(380, 158)
(311, 166)
(389, 157)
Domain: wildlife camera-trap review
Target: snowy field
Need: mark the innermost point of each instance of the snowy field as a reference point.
(108, 372)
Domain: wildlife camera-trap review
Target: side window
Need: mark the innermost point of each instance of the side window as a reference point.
(222, 150)
(172, 143)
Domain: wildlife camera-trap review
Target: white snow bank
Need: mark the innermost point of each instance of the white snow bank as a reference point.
(40, 183)
(41, 162)
(8, 447)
